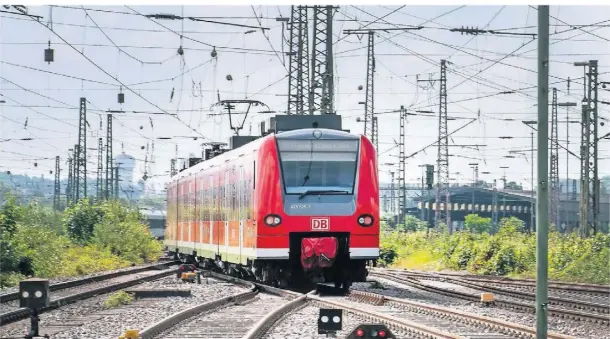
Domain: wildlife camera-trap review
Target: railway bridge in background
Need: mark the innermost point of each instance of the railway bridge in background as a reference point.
(479, 200)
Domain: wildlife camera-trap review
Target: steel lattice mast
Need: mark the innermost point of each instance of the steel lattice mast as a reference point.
(375, 136)
(109, 167)
(494, 208)
(589, 201)
(370, 88)
(554, 156)
(57, 187)
(70, 182)
(74, 173)
(81, 152)
(402, 192)
(298, 73)
(100, 169)
(321, 85)
(443, 154)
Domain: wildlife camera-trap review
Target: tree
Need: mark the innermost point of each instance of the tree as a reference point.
(413, 224)
(476, 224)
(80, 219)
(11, 214)
(511, 185)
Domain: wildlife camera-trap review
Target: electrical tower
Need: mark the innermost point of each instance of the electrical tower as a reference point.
(70, 182)
(589, 198)
(109, 167)
(402, 191)
(554, 156)
(116, 181)
(298, 73)
(369, 105)
(392, 194)
(172, 167)
(81, 154)
(100, 170)
(57, 187)
(375, 136)
(494, 209)
(443, 154)
(75, 182)
(321, 85)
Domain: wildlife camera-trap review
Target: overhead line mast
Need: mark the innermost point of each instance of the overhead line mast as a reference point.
(298, 69)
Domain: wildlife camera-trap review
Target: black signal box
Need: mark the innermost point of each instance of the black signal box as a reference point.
(370, 331)
(330, 320)
(34, 293)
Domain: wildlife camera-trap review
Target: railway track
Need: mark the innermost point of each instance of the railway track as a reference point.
(80, 289)
(599, 305)
(254, 313)
(520, 284)
(579, 311)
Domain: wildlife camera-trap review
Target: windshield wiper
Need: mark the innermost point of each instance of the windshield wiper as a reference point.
(321, 192)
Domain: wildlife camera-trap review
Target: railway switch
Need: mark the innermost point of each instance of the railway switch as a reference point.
(366, 331)
(330, 321)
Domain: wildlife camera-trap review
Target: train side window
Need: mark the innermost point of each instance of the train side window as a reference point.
(254, 176)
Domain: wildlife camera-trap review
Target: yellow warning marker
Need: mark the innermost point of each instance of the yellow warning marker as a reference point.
(188, 276)
(487, 298)
(132, 334)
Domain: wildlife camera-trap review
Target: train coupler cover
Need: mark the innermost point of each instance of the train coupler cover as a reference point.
(318, 252)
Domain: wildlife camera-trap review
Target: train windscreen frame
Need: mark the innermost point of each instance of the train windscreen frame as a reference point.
(318, 165)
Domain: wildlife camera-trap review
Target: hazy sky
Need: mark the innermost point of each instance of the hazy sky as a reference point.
(142, 53)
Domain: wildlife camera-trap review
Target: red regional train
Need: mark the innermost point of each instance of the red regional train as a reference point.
(296, 206)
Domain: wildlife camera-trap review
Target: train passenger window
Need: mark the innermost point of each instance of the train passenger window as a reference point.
(254, 176)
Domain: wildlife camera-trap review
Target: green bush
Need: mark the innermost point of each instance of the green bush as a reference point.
(117, 299)
(509, 252)
(123, 233)
(84, 239)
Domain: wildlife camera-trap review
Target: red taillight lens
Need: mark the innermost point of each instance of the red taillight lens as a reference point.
(359, 333)
(273, 220)
(381, 333)
(365, 220)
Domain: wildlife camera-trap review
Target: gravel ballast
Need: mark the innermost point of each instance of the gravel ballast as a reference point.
(303, 324)
(91, 321)
(574, 328)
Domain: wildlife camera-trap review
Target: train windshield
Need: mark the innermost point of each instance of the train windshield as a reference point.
(318, 165)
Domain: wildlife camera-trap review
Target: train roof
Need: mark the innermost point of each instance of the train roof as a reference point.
(252, 146)
(222, 158)
(306, 133)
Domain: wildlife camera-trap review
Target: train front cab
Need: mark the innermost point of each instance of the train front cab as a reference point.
(327, 201)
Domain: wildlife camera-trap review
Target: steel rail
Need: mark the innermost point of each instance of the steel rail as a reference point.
(83, 281)
(22, 313)
(414, 330)
(567, 286)
(514, 305)
(563, 302)
(501, 326)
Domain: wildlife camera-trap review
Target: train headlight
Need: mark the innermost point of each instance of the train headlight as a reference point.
(273, 220)
(366, 220)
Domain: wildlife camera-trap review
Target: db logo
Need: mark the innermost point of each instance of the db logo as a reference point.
(320, 224)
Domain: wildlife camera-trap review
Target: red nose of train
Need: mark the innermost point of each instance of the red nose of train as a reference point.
(318, 252)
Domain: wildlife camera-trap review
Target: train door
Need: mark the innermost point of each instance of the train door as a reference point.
(214, 214)
(227, 212)
(241, 211)
(190, 206)
(175, 215)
